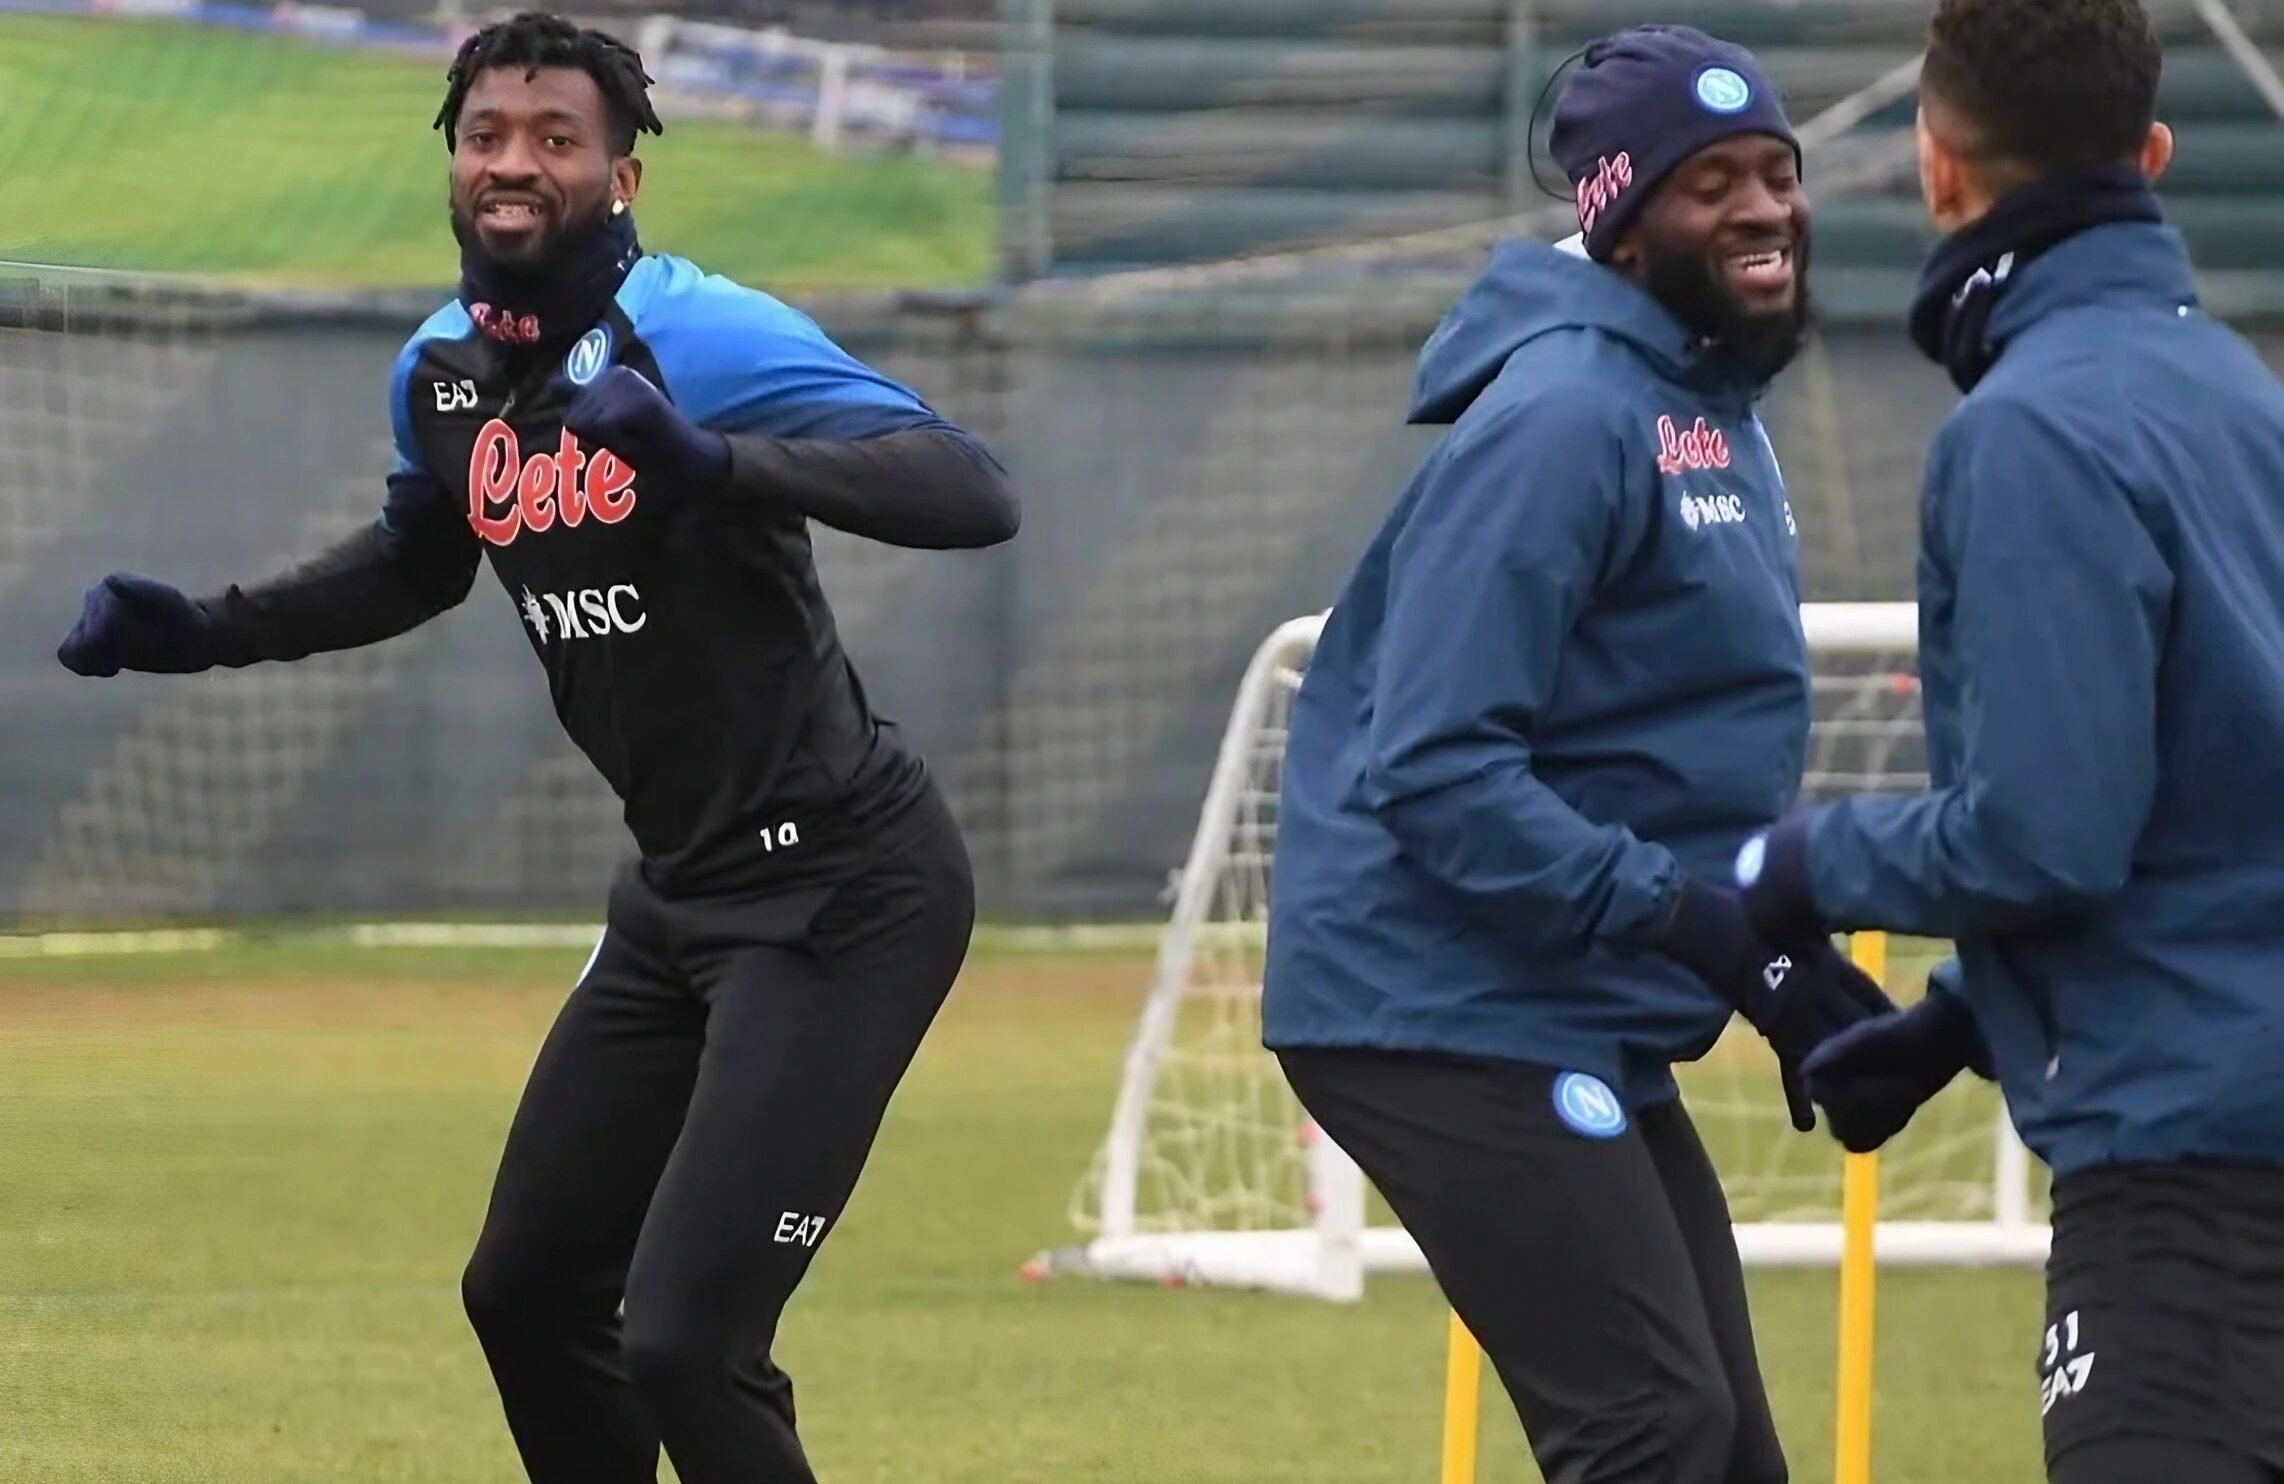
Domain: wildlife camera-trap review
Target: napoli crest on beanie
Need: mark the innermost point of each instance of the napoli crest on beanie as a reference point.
(1642, 101)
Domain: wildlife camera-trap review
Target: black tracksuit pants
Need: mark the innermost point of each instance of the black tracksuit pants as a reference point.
(1599, 1274)
(2162, 1359)
(694, 1125)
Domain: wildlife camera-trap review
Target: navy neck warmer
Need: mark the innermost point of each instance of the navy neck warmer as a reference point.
(547, 306)
(1969, 272)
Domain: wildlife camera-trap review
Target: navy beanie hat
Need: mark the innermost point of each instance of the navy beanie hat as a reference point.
(1642, 101)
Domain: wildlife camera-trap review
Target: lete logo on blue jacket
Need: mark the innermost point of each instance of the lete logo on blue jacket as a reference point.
(1589, 1106)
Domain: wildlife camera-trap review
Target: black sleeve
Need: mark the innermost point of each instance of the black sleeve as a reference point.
(416, 561)
(930, 486)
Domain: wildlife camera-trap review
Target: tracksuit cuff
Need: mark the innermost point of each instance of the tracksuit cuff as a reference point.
(1772, 875)
(1958, 1028)
(1705, 931)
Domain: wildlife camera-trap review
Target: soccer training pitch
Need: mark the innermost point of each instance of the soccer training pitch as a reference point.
(237, 1187)
(162, 147)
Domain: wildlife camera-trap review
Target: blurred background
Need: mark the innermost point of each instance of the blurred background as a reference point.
(1173, 258)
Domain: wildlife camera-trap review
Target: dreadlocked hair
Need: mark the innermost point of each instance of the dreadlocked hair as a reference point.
(535, 39)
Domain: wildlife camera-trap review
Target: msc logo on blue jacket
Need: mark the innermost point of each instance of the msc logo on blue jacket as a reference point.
(1568, 669)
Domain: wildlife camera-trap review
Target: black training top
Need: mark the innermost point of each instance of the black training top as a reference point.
(688, 645)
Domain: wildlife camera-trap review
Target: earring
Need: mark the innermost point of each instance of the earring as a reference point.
(618, 208)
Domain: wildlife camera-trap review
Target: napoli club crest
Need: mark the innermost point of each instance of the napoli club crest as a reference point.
(1589, 1106)
(1723, 91)
(588, 357)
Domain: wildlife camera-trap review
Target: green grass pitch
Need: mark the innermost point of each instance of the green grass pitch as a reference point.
(164, 147)
(236, 1190)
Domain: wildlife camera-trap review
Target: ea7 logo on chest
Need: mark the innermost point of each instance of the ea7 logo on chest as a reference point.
(509, 494)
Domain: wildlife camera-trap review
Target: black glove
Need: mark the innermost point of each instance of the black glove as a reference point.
(1871, 1078)
(1796, 998)
(128, 622)
(624, 413)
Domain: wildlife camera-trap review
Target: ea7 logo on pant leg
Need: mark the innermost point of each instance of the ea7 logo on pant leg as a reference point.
(799, 1230)
(1588, 1106)
(2063, 1370)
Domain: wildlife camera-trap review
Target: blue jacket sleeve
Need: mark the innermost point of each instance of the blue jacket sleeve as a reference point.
(2057, 613)
(739, 361)
(814, 431)
(1518, 515)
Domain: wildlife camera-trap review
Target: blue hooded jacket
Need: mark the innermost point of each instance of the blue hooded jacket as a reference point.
(2102, 648)
(1568, 669)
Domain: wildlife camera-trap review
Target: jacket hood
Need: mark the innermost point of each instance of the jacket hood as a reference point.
(1533, 288)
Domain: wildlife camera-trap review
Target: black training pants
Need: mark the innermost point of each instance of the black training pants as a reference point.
(694, 1125)
(1599, 1274)
(2162, 1359)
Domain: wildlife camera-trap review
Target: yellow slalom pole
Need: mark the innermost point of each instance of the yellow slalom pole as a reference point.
(1462, 1404)
(1859, 1214)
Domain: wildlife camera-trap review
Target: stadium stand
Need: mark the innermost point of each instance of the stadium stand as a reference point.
(1172, 131)
(1203, 445)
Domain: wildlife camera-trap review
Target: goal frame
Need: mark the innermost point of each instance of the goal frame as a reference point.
(1331, 1256)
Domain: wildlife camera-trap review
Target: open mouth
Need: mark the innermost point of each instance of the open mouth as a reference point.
(511, 213)
(1764, 271)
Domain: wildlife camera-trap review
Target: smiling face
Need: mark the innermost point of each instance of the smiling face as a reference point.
(537, 160)
(1724, 244)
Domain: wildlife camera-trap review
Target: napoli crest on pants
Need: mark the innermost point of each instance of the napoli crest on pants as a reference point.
(1588, 1106)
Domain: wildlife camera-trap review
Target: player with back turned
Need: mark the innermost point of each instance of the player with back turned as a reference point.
(1566, 681)
(2101, 591)
(637, 448)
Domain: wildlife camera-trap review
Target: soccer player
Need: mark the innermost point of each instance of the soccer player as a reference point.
(2102, 638)
(638, 449)
(1564, 684)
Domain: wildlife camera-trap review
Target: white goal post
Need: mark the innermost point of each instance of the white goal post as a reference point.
(1212, 1174)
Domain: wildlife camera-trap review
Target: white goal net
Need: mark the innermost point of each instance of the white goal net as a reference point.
(1211, 1173)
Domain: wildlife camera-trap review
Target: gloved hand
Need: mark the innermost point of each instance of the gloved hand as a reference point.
(621, 411)
(1871, 1078)
(1796, 998)
(128, 622)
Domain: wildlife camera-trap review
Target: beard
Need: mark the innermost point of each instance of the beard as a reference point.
(558, 244)
(1761, 344)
